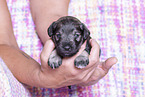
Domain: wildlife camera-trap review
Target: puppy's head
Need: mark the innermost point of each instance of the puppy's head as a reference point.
(68, 34)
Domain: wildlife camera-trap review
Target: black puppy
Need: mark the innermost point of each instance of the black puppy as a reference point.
(68, 34)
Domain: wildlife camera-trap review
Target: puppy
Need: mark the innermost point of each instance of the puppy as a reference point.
(68, 34)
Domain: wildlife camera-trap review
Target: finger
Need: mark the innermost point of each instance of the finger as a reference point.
(84, 45)
(100, 73)
(95, 77)
(90, 83)
(94, 54)
(47, 49)
(109, 63)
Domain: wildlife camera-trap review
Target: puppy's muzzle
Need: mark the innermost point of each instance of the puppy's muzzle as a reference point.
(67, 47)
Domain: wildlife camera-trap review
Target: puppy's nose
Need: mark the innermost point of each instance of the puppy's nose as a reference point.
(67, 47)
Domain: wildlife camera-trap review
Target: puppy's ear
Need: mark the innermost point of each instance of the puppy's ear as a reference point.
(51, 28)
(85, 30)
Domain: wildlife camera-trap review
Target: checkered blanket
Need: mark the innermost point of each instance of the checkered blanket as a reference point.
(119, 28)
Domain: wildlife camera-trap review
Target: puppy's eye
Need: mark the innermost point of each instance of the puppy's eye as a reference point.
(77, 35)
(57, 36)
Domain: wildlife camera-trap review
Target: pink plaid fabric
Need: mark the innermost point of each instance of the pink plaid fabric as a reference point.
(119, 28)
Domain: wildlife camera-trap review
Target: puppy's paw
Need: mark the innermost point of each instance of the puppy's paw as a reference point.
(81, 61)
(54, 62)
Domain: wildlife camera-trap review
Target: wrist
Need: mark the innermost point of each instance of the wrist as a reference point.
(44, 80)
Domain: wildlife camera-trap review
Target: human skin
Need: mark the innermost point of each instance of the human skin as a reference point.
(29, 71)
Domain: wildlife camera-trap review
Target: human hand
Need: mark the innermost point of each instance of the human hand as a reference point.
(67, 74)
(100, 68)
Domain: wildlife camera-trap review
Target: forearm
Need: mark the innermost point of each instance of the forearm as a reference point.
(6, 29)
(23, 67)
(45, 12)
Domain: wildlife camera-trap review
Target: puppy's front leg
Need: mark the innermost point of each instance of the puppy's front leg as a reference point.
(54, 60)
(82, 60)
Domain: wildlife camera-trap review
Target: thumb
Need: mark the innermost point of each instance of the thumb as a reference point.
(47, 49)
(109, 63)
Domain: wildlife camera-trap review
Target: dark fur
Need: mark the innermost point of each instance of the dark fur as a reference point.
(68, 34)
